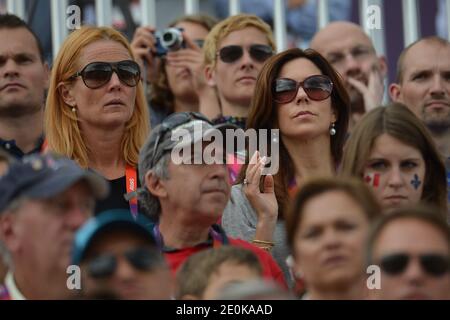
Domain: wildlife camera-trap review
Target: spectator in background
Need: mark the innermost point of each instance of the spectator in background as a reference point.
(301, 15)
(43, 201)
(412, 248)
(327, 228)
(300, 94)
(187, 198)
(179, 83)
(235, 51)
(118, 254)
(206, 274)
(423, 85)
(96, 112)
(351, 52)
(23, 81)
(392, 151)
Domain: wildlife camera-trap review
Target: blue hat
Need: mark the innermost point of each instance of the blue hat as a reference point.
(44, 176)
(105, 220)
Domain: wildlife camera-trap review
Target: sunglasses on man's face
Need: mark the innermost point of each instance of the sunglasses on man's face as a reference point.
(435, 265)
(105, 265)
(258, 52)
(97, 74)
(317, 87)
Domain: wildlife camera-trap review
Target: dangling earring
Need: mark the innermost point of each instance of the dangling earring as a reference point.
(332, 129)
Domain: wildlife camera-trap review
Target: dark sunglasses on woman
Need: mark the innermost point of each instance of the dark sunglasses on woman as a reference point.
(435, 265)
(103, 266)
(258, 52)
(97, 74)
(317, 87)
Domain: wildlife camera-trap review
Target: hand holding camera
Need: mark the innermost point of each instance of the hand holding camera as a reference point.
(142, 45)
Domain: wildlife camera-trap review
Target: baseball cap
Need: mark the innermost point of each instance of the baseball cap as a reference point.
(186, 127)
(44, 176)
(105, 221)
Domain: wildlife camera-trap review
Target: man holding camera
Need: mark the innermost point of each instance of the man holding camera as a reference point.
(174, 61)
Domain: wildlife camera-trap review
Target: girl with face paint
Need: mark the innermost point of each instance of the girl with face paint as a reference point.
(392, 151)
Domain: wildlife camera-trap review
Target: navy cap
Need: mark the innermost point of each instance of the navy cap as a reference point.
(44, 176)
(105, 220)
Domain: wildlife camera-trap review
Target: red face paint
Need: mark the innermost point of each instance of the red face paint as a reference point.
(372, 179)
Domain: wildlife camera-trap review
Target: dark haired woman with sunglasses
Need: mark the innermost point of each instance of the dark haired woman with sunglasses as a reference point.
(299, 93)
(96, 112)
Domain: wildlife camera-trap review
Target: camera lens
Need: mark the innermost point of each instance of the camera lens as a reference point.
(168, 37)
(172, 39)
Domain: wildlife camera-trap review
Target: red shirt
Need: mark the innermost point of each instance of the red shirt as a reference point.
(271, 270)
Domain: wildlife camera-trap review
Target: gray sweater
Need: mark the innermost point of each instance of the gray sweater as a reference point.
(239, 221)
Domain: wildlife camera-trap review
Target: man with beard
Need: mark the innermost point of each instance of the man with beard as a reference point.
(351, 52)
(423, 85)
(23, 80)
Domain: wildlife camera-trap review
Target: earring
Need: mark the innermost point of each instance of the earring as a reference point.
(74, 109)
(332, 129)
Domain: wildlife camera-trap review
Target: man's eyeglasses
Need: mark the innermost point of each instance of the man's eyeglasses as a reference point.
(317, 87)
(258, 52)
(103, 266)
(171, 122)
(434, 265)
(97, 74)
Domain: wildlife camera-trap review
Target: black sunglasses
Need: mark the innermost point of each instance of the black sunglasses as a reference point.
(105, 265)
(97, 74)
(258, 52)
(317, 87)
(171, 122)
(435, 265)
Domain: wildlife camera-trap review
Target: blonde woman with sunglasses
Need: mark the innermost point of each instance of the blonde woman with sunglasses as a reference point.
(96, 112)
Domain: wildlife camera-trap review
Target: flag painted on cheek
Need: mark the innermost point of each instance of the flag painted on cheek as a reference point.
(416, 181)
(372, 179)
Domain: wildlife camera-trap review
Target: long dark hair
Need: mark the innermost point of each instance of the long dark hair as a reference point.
(264, 114)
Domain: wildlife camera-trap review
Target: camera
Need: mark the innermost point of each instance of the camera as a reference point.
(170, 39)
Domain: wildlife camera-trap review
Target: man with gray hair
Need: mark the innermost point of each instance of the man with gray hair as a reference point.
(187, 198)
(43, 201)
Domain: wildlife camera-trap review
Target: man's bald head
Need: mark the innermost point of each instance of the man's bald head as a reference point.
(337, 30)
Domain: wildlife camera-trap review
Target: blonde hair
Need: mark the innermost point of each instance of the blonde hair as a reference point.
(61, 126)
(229, 25)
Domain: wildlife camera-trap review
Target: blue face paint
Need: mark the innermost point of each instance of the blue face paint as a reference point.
(416, 182)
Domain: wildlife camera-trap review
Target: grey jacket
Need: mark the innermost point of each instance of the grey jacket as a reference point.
(239, 221)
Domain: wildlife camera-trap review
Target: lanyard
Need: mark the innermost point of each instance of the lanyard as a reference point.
(131, 182)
